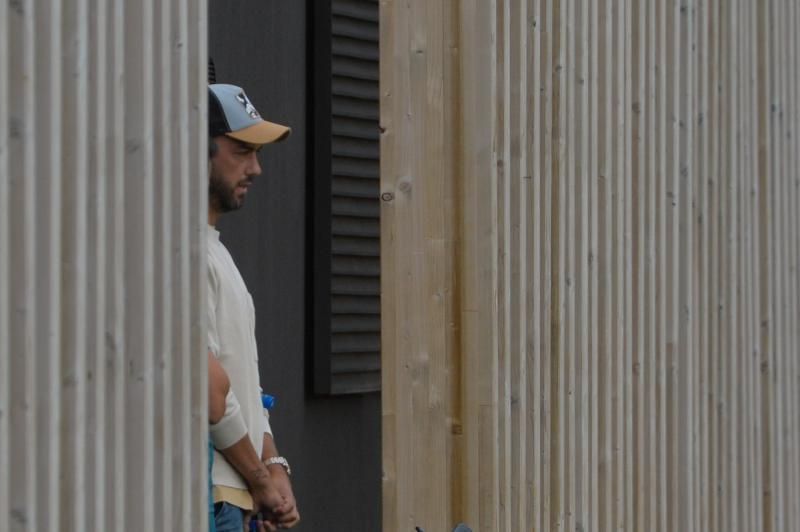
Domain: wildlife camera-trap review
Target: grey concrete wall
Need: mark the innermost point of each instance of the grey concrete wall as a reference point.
(333, 443)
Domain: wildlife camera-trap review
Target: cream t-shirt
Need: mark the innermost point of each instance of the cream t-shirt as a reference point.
(232, 339)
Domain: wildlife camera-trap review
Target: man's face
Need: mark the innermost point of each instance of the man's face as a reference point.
(233, 168)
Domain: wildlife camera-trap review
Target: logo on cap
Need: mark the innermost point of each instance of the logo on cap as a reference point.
(249, 108)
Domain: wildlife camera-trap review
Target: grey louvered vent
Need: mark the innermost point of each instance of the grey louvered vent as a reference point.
(346, 244)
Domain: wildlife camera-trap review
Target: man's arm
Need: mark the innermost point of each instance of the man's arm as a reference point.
(229, 435)
(218, 387)
(242, 456)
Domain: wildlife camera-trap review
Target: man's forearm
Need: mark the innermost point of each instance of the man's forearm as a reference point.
(268, 448)
(242, 456)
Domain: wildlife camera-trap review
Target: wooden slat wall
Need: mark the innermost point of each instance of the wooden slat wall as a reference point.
(589, 242)
(102, 226)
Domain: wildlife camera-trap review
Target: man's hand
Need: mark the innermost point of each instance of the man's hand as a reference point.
(289, 516)
(267, 496)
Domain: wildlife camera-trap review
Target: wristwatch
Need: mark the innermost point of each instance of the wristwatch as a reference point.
(279, 460)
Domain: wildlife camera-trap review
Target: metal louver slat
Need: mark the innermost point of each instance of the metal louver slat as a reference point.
(355, 28)
(346, 226)
(365, 247)
(356, 128)
(355, 88)
(356, 48)
(346, 166)
(357, 362)
(342, 323)
(355, 187)
(358, 9)
(356, 108)
(355, 68)
(347, 170)
(356, 148)
(370, 306)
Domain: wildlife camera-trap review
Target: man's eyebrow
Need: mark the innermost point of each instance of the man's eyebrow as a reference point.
(247, 146)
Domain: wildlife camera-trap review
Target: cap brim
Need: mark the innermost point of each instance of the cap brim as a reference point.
(262, 133)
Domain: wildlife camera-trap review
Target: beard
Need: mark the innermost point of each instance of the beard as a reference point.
(222, 196)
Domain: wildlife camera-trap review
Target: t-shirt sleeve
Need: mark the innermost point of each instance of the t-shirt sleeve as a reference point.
(267, 427)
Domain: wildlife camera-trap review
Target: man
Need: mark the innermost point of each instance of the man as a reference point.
(243, 482)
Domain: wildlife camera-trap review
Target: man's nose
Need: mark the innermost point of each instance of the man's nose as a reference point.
(253, 167)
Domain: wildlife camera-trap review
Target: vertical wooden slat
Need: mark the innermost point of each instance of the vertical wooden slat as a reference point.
(97, 29)
(792, 95)
(534, 480)
(139, 258)
(638, 159)
(197, 221)
(74, 304)
(164, 152)
(479, 260)
(23, 512)
(638, 197)
(49, 252)
(548, 210)
(605, 177)
(703, 221)
(627, 261)
(516, 114)
(765, 285)
(504, 254)
(580, 78)
(116, 396)
(5, 299)
(393, 411)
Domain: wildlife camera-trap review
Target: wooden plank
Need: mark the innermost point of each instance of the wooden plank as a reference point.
(582, 177)
(533, 240)
(48, 244)
(605, 218)
(5, 275)
(616, 208)
(98, 172)
(504, 254)
(22, 266)
(638, 161)
(703, 221)
(765, 278)
(395, 412)
(593, 315)
(74, 223)
(517, 113)
(652, 292)
(548, 210)
(115, 338)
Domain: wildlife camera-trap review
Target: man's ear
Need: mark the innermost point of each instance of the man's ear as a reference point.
(212, 148)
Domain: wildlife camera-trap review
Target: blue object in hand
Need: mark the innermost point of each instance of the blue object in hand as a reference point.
(267, 401)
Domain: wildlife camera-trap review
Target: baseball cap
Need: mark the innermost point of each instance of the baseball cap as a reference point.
(231, 113)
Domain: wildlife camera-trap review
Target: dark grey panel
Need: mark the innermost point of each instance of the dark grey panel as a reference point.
(332, 442)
